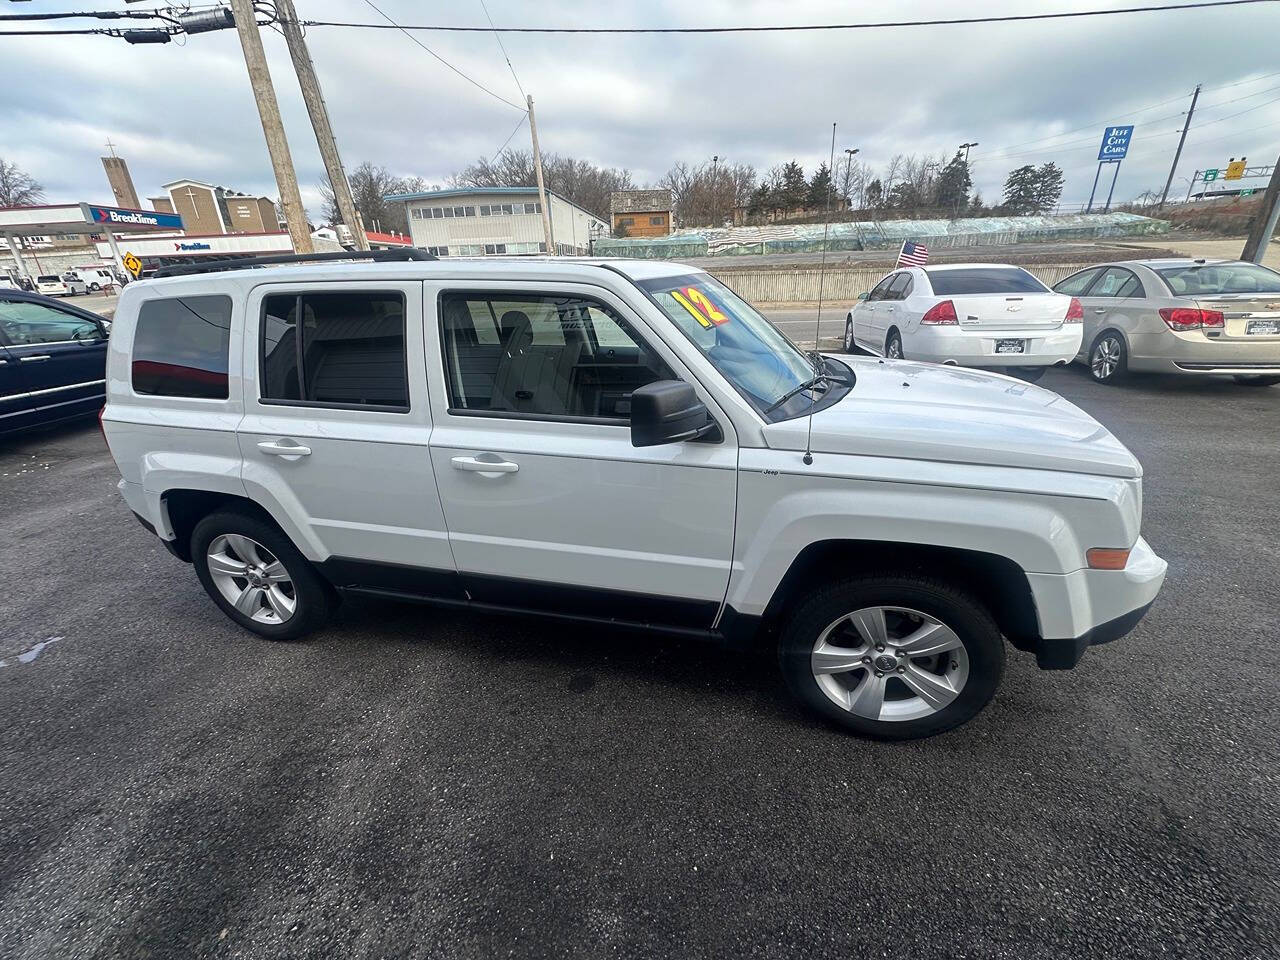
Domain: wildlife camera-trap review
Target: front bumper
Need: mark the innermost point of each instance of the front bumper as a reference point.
(972, 348)
(1089, 607)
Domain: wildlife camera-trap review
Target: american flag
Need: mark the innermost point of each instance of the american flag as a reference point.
(912, 254)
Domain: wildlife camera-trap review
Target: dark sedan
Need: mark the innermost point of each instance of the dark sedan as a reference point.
(52, 361)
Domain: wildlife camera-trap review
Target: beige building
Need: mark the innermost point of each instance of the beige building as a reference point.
(496, 221)
(208, 209)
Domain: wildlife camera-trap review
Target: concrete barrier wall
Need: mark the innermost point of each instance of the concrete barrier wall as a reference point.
(800, 285)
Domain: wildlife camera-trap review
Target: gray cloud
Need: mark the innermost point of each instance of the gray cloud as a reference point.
(644, 102)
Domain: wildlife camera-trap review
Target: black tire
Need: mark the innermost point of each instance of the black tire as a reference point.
(967, 618)
(315, 599)
(1256, 380)
(95, 287)
(1098, 369)
(894, 339)
(849, 345)
(1029, 374)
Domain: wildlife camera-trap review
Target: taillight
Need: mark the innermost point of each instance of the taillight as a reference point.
(1075, 312)
(940, 314)
(1191, 318)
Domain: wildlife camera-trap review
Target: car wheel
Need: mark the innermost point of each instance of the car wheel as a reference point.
(892, 656)
(893, 346)
(848, 335)
(1108, 358)
(95, 287)
(258, 578)
(1256, 381)
(1029, 374)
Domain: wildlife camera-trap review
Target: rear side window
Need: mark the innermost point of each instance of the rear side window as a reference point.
(1116, 282)
(335, 349)
(1212, 279)
(180, 347)
(901, 288)
(979, 280)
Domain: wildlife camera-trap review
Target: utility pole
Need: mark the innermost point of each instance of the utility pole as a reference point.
(255, 59)
(542, 187)
(306, 71)
(1264, 226)
(965, 147)
(1178, 153)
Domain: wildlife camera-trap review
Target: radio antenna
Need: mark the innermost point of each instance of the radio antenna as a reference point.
(822, 275)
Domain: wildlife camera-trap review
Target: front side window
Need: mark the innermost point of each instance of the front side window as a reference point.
(749, 351)
(342, 349)
(542, 355)
(180, 347)
(962, 281)
(1076, 284)
(1116, 282)
(1214, 279)
(24, 323)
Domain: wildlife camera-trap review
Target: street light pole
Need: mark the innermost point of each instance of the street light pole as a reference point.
(715, 188)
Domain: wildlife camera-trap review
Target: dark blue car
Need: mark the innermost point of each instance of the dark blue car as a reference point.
(53, 360)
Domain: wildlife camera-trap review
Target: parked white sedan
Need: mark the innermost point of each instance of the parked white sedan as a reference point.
(968, 314)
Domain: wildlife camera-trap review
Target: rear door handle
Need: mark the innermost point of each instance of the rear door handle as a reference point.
(1099, 309)
(288, 449)
(39, 356)
(486, 468)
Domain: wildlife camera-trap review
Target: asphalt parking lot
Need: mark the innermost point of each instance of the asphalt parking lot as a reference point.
(421, 783)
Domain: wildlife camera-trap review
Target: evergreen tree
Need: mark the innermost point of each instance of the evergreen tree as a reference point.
(954, 183)
(875, 193)
(1020, 190)
(794, 188)
(820, 188)
(1048, 187)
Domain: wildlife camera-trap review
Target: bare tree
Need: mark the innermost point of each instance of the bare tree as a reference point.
(370, 185)
(709, 193)
(17, 187)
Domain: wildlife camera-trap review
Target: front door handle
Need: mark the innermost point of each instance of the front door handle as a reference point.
(486, 468)
(39, 356)
(288, 449)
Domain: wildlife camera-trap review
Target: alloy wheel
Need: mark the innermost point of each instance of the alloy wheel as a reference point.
(890, 663)
(894, 350)
(1106, 358)
(848, 335)
(251, 578)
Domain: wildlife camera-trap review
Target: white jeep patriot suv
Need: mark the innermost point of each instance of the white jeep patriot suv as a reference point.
(626, 443)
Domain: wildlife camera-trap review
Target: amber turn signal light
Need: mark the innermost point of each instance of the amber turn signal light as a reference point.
(1106, 558)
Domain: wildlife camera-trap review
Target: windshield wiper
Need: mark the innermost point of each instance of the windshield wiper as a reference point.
(807, 385)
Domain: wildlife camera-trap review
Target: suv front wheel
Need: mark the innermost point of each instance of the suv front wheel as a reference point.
(258, 577)
(892, 657)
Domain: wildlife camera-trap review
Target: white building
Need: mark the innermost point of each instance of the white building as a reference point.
(488, 221)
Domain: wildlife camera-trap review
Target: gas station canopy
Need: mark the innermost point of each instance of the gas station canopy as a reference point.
(85, 219)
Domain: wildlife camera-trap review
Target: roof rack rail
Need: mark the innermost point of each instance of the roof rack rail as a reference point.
(244, 263)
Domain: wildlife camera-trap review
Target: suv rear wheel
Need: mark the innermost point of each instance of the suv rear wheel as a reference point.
(893, 657)
(258, 577)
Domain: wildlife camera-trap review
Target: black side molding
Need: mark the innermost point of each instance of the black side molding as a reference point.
(1065, 654)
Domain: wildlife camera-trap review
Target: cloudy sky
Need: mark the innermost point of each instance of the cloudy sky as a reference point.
(1028, 92)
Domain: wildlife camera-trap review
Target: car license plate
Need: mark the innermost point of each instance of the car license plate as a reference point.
(1011, 346)
(1262, 328)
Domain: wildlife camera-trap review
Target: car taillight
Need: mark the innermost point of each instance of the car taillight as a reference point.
(1191, 318)
(940, 314)
(1075, 312)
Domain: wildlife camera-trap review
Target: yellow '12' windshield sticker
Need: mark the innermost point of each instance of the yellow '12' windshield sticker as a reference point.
(700, 307)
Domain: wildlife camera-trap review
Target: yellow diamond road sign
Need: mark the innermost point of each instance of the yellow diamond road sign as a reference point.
(133, 265)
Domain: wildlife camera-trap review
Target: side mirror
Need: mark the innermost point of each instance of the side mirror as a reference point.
(668, 411)
(863, 295)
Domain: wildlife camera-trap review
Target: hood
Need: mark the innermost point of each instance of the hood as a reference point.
(925, 411)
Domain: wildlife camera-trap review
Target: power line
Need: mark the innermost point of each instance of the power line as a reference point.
(392, 25)
(497, 36)
(1013, 18)
(509, 136)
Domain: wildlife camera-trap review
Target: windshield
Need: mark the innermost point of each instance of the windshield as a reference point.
(752, 354)
(976, 280)
(1201, 279)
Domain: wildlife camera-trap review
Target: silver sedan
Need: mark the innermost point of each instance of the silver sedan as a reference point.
(1187, 317)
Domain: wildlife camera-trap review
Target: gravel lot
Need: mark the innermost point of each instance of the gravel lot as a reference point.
(418, 783)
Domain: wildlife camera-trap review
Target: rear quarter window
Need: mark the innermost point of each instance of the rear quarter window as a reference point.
(180, 347)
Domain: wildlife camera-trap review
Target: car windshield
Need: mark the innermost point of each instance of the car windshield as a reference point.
(1201, 279)
(978, 280)
(752, 354)
(48, 279)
